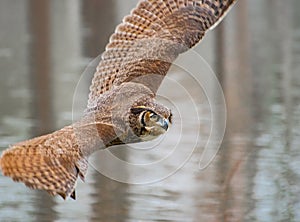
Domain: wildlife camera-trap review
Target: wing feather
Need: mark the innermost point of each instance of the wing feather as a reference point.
(53, 162)
(150, 39)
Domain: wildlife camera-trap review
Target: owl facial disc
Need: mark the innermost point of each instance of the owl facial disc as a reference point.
(151, 123)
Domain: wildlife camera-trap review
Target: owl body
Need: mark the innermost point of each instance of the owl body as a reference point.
(112, 110)
(121, 105)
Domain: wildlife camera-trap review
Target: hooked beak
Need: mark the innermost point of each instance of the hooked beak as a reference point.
(164, 123)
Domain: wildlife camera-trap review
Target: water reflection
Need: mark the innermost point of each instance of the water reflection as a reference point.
(255, 175)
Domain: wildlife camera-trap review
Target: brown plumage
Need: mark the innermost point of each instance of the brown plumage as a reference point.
(121, 105)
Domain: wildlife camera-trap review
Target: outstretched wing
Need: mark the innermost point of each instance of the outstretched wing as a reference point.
(53, 162)
(147, 42)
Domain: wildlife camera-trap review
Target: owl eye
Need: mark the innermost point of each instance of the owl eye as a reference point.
(154, 117)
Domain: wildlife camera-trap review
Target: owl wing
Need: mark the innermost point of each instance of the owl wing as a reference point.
(54, 161)
(144, 46)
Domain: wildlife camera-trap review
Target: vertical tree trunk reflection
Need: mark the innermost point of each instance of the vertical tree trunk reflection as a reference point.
(40, 64)
(220, 52)
(232, 176)
(41, 88)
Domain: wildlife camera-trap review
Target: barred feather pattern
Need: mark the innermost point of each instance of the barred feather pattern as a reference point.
(41, 164)
(151, 37)
(54, 161)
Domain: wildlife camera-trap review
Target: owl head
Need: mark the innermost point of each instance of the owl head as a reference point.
(135, 111)
(149, 122)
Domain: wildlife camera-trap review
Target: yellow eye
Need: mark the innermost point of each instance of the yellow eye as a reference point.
(154, 117)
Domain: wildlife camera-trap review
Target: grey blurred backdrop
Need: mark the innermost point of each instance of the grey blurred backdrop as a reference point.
(46, 45)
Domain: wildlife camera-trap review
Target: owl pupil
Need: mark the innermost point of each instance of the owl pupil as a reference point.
(154, 116)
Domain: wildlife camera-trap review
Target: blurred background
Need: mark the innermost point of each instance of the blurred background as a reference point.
(46, 45)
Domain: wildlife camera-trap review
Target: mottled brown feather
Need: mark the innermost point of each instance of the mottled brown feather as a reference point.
(53, 162)
(179, 24)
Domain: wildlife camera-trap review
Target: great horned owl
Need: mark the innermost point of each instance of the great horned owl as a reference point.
(121, 106)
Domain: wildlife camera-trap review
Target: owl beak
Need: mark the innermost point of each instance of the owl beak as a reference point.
(164, 123)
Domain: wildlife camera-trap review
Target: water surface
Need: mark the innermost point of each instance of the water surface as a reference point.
(256, 173)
